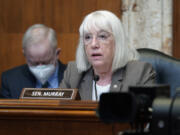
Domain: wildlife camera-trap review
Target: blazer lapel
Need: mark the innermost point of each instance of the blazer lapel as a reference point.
(117, 78)
(61, 69)
(86, 86)
(30, 80)
(87, 82)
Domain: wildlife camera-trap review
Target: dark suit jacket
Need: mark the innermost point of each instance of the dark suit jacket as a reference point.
(134, 73)
(14, 80)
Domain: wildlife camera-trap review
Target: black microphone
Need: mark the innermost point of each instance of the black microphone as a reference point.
(96, 78)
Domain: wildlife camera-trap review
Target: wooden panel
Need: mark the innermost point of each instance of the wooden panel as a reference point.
(10, 50)
(11, 16)
(53, 117)
(65, 16)
(67, 43)
(176, 28)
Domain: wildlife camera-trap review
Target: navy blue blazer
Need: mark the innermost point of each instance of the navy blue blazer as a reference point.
(14, 80)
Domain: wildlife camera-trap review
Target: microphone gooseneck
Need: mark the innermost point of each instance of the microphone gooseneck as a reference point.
(96, 78)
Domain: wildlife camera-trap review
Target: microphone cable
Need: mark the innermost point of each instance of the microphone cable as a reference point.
(96, 78)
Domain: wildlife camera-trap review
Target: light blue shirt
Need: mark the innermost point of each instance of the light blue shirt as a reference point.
(53, 80)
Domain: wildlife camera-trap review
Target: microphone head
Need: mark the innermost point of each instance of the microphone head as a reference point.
(96, 77)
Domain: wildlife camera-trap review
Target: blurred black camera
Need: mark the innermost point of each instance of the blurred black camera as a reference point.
(149, 109)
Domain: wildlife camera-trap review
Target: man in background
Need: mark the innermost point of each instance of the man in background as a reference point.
(43, 69)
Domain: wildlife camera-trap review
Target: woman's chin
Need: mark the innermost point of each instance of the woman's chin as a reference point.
(98, 64)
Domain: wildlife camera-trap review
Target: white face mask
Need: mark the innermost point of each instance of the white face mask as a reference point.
(42, 72)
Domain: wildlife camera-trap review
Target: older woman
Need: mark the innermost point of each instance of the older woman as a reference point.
(103, 52)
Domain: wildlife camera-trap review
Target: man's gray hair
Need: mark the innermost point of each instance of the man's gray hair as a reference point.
(107, 21)
(37, 33)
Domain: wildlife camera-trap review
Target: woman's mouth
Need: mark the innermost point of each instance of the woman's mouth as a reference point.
(96, 55)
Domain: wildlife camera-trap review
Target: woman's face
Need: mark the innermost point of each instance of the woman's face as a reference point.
(99, 47)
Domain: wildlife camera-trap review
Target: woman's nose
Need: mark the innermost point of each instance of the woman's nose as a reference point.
(94, 42)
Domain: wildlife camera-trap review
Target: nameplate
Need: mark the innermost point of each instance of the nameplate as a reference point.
(48, 93)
